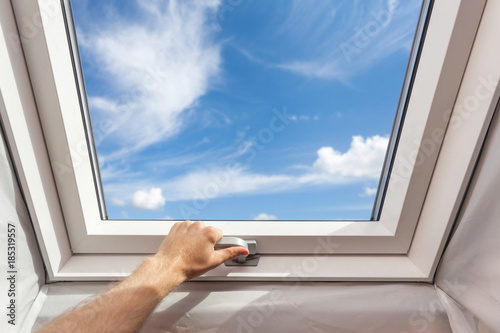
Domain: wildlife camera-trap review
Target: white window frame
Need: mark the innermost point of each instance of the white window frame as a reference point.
(405, 244)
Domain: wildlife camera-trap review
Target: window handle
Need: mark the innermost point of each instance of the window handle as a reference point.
(250, 245)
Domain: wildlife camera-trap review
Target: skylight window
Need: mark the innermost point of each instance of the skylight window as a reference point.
(421, 188)
(243, 110)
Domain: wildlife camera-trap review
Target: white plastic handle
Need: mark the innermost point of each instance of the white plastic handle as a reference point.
(226, 242)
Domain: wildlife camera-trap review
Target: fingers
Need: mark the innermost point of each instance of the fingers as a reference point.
(197, 225)
(178, 226)
(213, 234)
(191, 246)
(229, 253)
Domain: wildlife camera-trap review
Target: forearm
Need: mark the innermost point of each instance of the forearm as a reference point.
(126, 307)
(186, 252)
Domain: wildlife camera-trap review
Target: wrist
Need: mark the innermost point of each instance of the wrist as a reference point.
(163, 274)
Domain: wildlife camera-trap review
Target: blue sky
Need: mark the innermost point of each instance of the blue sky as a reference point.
(243, 109)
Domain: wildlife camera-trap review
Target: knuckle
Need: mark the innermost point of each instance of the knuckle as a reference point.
(199, 223)
(212, 233)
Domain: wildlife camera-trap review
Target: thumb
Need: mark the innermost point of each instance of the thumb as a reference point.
(229, 253)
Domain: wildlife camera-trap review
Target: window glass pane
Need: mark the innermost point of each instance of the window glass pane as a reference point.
(245, 109)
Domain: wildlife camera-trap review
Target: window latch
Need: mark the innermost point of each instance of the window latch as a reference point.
(251, 245)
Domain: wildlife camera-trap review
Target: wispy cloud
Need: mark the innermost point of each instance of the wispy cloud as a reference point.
(318, 69)
(364, 34)
(122, 173)
(117, 202)
(247, 54)
(157, 68)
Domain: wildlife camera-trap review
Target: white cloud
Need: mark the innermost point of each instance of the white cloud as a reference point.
(117, 202)
(150, 200)
(361, 162)
(364, 159)
(301, 117)
(265, 217)
(368, 191)
(158, 68)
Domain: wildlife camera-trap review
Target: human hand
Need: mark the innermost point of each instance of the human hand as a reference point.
(189, 249)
